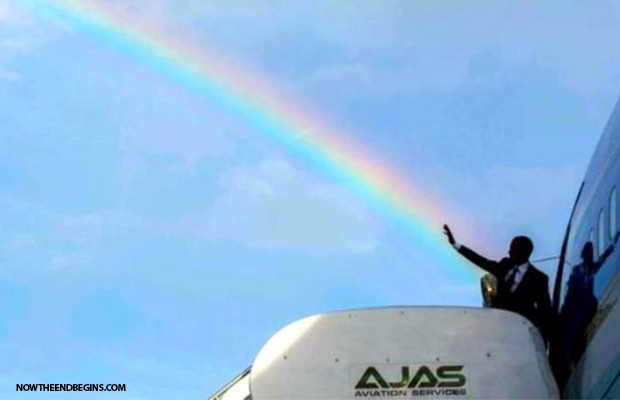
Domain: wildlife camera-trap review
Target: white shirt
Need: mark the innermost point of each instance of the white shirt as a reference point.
(521, 269)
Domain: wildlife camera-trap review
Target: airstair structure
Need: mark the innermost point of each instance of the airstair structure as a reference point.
(400, 353)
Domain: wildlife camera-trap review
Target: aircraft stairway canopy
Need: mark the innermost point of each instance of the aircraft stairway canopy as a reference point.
(404, 352)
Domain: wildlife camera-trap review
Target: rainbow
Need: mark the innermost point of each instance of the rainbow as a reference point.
(256, 103)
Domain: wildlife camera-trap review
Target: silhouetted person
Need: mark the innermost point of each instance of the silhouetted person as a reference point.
(580, 306)
(521, 287)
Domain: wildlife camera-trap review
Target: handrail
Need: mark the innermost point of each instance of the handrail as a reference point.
(217, 395)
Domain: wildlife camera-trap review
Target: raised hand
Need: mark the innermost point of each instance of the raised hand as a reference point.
(448, 233)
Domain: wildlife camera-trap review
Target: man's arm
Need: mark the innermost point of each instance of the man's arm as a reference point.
(488, 265)
(603, 257)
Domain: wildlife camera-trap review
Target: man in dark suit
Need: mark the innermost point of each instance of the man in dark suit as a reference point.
(521, 287)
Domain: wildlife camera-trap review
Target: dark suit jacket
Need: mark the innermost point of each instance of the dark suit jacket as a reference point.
(530, 298)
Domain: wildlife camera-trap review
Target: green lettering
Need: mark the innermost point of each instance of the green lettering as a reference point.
(365, 383)
(405, 379)
(449, 372)
(423, 372)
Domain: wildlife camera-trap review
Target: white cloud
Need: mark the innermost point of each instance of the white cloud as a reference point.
(189, 136)
(539, 205)
(68, 260)
(8, 49)
(81, 235)
(21, 240)
(269, 205)
(7, 12)
(403, 45)
(17, 32)
(89, 229)
(574, 44)
(400, 46)
(273, 205)
(14, 46)
(10, 76)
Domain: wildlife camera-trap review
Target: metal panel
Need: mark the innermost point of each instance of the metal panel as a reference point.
(600, 364)
(381, 352)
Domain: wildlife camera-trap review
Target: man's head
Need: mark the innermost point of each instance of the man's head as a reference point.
(587, 253)
(520, 250)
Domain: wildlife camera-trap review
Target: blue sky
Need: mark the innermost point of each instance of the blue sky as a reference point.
(150, 237)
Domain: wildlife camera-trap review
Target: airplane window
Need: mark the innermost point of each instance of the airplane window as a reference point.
(613, 214)
(601, 233)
